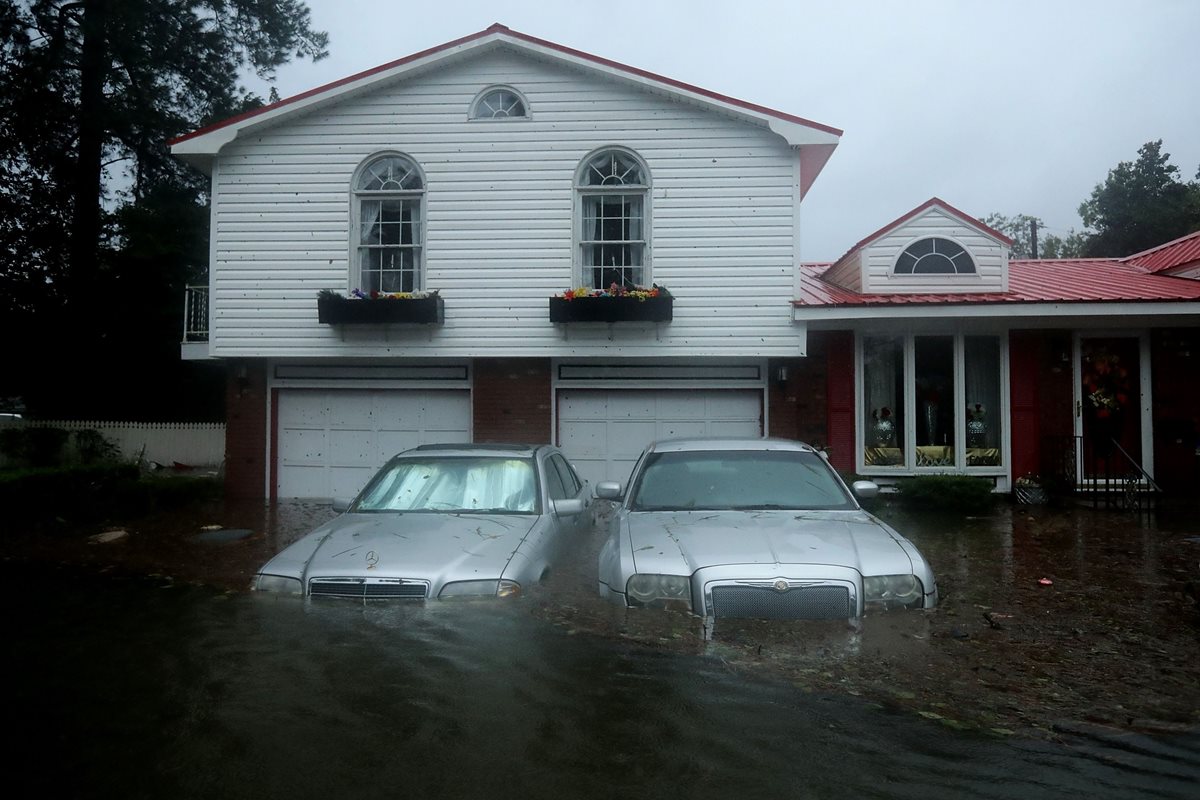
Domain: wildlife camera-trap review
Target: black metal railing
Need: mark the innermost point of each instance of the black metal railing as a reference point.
(1110, 477)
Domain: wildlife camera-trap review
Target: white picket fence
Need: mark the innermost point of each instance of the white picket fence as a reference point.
(195, 444)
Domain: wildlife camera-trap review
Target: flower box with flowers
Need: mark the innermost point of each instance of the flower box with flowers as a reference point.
(616, 304)
(380, 308)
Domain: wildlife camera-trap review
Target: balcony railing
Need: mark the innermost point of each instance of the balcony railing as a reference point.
(195, 314)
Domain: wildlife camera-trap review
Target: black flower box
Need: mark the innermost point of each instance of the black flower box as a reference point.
(333, 309)
(612, 309)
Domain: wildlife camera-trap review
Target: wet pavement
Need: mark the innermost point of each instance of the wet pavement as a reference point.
(184, 684)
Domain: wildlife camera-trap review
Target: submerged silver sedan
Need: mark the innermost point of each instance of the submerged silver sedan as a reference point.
(753, 528)
(441, 521)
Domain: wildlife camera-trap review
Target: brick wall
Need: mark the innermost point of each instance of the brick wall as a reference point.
(797, 405)
(245, 429)
(512, 400)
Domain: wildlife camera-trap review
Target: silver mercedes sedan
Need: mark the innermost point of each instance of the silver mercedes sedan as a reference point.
(753, 528)
(441, 521)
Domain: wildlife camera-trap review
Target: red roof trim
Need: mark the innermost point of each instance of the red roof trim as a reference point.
(501, 29)
(933, 202)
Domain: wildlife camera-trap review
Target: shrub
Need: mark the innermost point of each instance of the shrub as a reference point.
(947, 492)
(92, 447)
(95, 493)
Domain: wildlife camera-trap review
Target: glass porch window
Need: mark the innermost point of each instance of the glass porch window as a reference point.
(981, 365)
(883, 401)
(933, 358)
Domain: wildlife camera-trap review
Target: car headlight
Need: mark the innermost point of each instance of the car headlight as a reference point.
(669, 590)
(277, 583)
(894, 591)
(493, 588)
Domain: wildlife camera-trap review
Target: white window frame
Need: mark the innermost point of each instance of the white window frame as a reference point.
(583, 270)
(909, 445)
(474, 114)
(974, 273)
(357, 196)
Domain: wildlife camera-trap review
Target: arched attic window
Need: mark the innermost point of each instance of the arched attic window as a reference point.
(500, 102)
(935, 256)
(613, 187)
(388, 194)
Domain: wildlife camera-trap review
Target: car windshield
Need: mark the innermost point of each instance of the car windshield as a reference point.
(738, 479)
(453, 484)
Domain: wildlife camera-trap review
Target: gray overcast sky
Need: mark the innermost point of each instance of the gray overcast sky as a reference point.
(1015, 106)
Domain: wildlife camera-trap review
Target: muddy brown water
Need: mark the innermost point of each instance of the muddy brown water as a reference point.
(141, 668)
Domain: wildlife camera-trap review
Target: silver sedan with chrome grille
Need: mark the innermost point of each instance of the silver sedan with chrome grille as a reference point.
(441, 521)
(754, 528)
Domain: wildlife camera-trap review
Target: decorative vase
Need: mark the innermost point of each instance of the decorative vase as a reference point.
(976, 433)
(931, 421)
(885, 433)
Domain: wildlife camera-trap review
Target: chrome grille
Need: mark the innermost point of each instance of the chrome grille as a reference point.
(375, 588)
(801, 602)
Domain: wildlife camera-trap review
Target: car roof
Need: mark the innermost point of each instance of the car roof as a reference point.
(498, 449)
(698, 444)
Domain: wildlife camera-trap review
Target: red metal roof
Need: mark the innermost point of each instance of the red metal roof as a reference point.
(1081, 280)
(497, 28)
(1182, 252)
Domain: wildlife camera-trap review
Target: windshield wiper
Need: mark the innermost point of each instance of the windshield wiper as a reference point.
(759, 507)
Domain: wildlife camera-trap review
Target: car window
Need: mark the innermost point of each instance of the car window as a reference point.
(738, 479)
(455, 483)
(570, 480)
(554, 482)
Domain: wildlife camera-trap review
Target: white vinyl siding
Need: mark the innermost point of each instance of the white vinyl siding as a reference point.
(498, 215)
(990, 257)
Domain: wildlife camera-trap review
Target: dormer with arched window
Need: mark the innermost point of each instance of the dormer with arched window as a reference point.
(933, 249)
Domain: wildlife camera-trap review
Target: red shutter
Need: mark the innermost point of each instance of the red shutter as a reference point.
(840, 399)
(1023, 350)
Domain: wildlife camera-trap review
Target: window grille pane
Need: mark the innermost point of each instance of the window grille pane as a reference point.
(883, 401)
(935, 399)
(983, 424)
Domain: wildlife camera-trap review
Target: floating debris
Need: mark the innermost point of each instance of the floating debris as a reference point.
(108, 536)
(222, 535)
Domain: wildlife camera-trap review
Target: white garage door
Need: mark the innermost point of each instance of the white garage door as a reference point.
(603, 431)
(331, 442)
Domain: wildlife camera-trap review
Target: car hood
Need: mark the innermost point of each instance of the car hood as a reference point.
(681, 542)
(407, 545)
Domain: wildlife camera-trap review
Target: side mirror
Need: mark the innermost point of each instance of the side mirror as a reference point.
(568, 508)
(341, 505)
(608, 490)
(866, 490)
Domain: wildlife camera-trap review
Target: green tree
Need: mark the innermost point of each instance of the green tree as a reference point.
(90, 198)
(1141, 204)
(1019, 229)
(1069, 246)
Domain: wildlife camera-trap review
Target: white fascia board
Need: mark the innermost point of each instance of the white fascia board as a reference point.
(210, 143)
(997, 311)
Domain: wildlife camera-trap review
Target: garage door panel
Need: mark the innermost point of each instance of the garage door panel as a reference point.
(331, 442)
(680, 429)
(604, 431)
(352, 448)
(446, 412)
(631, 405)
(304, 447)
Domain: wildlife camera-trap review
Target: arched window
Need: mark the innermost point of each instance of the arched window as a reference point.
(388, 195)
(500, 103)
(613, 187)
(935, 256)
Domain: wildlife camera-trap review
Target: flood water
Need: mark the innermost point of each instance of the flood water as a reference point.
(146, 687)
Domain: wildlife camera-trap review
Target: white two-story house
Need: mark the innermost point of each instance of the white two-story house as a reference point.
(499, 171)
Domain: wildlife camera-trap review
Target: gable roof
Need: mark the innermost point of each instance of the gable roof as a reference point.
(1076, 280)
(1181, 252)
(933, 202)
(815, 141)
